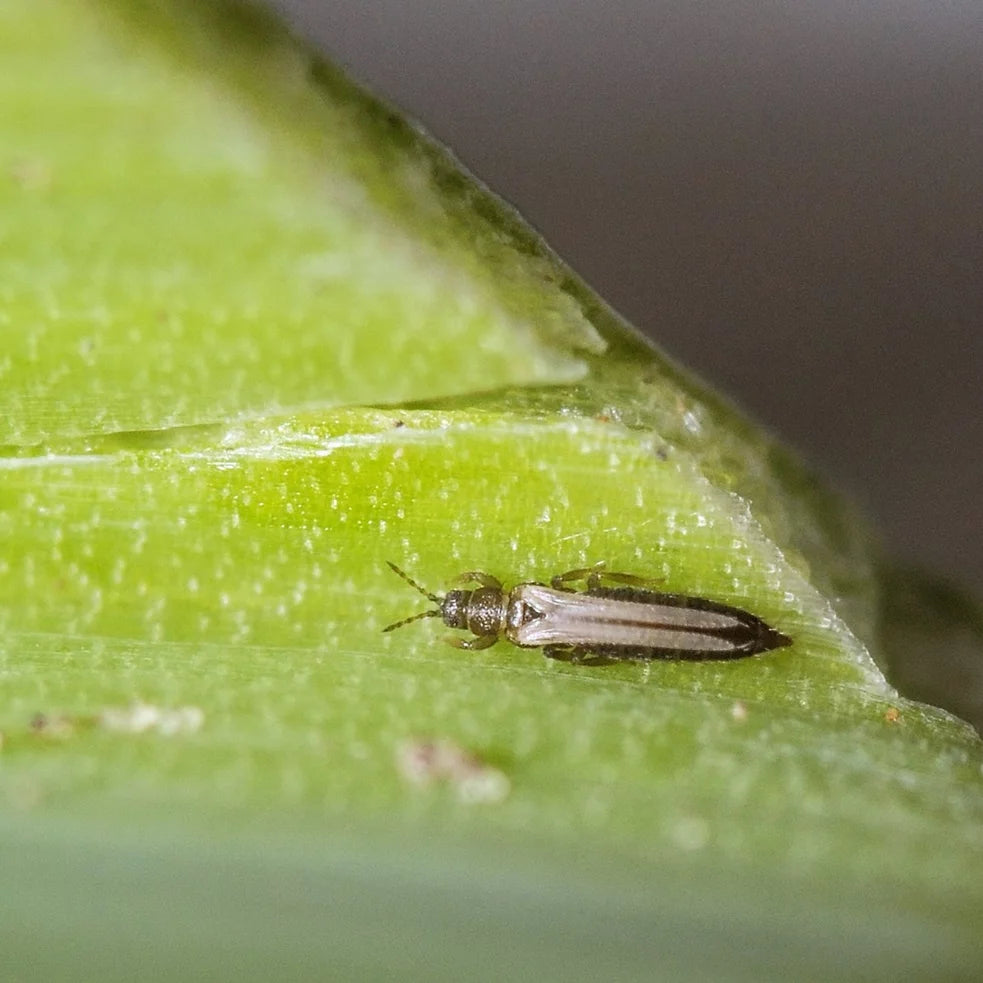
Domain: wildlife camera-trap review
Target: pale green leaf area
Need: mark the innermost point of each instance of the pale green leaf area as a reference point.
(170, 255)
(260, 336)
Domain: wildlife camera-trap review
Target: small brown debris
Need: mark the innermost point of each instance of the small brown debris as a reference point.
(56, 727)
(426, 762)
(30, 173)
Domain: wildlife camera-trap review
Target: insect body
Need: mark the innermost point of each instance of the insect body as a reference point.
(598, 625)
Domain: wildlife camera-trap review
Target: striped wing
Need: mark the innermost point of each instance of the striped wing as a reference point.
(605, 619)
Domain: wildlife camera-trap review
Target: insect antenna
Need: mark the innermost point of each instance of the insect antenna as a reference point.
(430, 597)
(413, 583)
(411, 619)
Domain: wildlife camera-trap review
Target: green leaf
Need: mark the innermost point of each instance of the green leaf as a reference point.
(261, 336)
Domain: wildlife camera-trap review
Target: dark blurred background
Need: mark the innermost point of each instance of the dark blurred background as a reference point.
(787, 196)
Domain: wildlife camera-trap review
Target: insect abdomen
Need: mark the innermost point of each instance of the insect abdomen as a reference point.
(714, 630)
(629, 623)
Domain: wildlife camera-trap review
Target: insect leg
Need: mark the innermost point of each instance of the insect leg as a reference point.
(471, 644)
(594, 576)
(585, 574)
(478, 577)
(629, 579)
(597, 660)
(562, 653)
(576, 654)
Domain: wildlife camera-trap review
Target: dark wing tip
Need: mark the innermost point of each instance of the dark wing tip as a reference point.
(772, 638)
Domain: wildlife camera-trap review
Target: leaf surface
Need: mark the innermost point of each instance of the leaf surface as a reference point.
(261, 336)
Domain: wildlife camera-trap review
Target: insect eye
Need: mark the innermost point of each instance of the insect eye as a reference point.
(454, 609)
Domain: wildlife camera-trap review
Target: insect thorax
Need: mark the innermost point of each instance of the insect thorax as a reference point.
(481, 611)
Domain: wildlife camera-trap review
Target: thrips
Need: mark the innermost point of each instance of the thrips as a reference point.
(615, 617)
